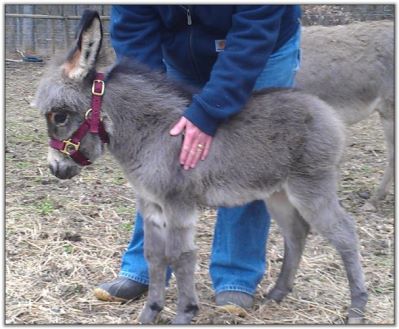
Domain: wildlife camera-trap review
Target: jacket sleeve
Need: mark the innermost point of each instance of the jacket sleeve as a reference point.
(249, 43)
(135, 33)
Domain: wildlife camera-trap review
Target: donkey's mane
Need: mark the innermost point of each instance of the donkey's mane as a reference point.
(132, 67)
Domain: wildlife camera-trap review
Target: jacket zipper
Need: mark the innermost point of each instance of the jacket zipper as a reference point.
(188, 10)
(188, 14)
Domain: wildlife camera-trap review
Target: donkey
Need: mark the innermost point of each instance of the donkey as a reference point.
(282, 148)
(351, 67)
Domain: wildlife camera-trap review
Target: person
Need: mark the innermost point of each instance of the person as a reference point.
(227, 51)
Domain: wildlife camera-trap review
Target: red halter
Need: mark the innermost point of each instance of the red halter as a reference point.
(92, 123)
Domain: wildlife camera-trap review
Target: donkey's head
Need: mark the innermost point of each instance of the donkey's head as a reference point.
(64, 97)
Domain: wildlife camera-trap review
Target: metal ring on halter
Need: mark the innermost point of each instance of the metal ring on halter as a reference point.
(87, 113)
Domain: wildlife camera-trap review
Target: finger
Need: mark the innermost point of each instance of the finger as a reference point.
(191, 155)
(206, 149)
(178, 128)
(193, 152)
(198, 146)
(186, 148)
(190, 158)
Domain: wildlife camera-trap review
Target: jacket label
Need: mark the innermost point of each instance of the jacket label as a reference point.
(220, 45)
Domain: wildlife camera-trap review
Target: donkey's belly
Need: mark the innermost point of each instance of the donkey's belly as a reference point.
(356, 111)
(227, 197)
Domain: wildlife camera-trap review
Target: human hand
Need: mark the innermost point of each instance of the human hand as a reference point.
(196, 143)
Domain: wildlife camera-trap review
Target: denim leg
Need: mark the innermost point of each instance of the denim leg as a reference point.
(282, 66)
(238, 250)
(239, 245)
(134, 265)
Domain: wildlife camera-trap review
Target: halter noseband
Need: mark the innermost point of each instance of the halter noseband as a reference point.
(92, 123)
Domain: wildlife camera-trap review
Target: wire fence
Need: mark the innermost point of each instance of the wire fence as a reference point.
(345, 14)
(44, 29)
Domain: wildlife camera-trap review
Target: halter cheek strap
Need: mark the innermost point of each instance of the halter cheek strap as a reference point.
(92, 124)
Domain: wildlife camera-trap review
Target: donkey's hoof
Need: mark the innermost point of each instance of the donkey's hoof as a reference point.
(149, 314)
(370, 206)
(356, 316)
(147, 317)
(182, 319)
(185, 317)
(277, 294)
(360, 320)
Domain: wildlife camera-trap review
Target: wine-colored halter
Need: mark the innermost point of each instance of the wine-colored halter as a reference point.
(92, 124)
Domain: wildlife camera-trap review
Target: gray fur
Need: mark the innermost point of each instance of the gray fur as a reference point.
(351, 67)
(283, 148)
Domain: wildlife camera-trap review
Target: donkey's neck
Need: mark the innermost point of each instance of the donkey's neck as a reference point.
(140, 110)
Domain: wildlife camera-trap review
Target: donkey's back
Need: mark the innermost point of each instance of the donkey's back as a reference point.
(278, 136)
(351, 67)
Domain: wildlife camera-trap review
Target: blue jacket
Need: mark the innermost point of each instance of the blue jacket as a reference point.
(188, 38)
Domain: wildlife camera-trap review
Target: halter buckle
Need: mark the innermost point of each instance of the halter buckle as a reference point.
(93, 88)
(69, 146)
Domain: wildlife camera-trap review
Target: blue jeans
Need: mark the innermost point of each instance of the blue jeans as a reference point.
(238, 259)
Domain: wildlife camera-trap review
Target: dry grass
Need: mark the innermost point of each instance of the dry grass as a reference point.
(65, 237)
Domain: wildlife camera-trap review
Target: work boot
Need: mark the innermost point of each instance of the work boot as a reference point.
(120, 290)
(229, 300)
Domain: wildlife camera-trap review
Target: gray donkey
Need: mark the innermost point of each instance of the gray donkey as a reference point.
(283, 148)
(351, 67)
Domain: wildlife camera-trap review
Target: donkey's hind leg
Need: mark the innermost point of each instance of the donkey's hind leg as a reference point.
(154, 251)
(181, 255)
(294, 230)
(386, 112)
(317, 202)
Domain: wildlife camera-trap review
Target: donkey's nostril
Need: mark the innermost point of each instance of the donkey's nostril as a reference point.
(70, 172)
(63, 171)
(57, 171)
(53, 168)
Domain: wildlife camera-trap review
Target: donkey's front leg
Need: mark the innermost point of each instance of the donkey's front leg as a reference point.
(156, 292)
(154, 251)
(187, 306)
(181, 253)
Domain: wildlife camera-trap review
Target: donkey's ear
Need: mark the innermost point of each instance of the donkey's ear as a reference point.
(83, 56)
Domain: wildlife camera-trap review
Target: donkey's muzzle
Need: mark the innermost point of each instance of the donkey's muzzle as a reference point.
(63, 172)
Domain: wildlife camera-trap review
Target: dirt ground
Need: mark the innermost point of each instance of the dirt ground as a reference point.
(63, 238)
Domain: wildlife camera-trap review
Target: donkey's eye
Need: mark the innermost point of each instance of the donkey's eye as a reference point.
(59, 118)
